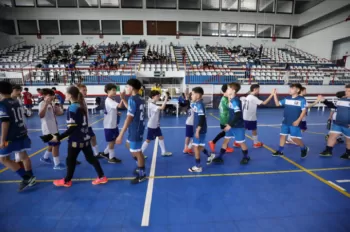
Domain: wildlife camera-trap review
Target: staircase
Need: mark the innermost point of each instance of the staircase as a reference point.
(136, 59)
(178, 57)
(226, 59)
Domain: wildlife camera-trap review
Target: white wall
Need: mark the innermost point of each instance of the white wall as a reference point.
(321, 43)
(340, 48)
(6, 40)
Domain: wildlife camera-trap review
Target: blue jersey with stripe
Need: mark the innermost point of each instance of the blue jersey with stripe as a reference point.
(199, 110)
(293, 107)
(136, 109)
(77, 118)
(12, 111)
(343, 112)
(234, 107)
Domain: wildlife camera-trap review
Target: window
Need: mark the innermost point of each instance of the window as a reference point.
(265, 31)
(88, 3)
(267, 6)
(5, 3)
(229, 5)
(29, 3)
(190, 4)
(210, 29)
(67, 3)
(45, 3)
(109, 3)
(210, 4)
(285, 6)
(161, 27)
(228, 29)
(246, 30)
(8, 27)
(27, 27)
(161, 4)
(48, 27)
(131, 3)
(189, 28)
(282, 31)
(111, 27)
(90, 27)
(69, 27)
(248, 5)
(132, 27)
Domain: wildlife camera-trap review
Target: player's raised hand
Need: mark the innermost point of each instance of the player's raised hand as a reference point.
(274, 91)
(320, 98)
(122, 94)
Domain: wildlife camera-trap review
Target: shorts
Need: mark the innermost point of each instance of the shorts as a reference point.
(250, 125)
(237, 133)
(199, 142)
(303, 125)
(28, 106)
(91, 132)
(337, 129)
(54, 144)
(189, 131)
(293, 131)
(62, 101)
(135, 146)
(153, 133)
(23, 144)
(111, 134)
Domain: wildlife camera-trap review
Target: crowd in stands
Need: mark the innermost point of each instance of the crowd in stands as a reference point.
(154, 57)
(83, 50)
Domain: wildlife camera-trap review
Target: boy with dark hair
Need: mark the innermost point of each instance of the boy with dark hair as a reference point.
(28, 101)
(294, 112)
(235, 126)
(200, 129)
(340, 126)
(135, 123)
(154, 124)
(224, 115)
(14, 136)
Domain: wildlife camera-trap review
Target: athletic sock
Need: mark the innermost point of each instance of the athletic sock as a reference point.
(329, 149)
(21, 172)
(280, 149)
(106, 150)
(142, 171)
(245, 153)
(198, 162)
(17, 157)
(205, 151)
(190, 144)
(29, 173)
(47, 154)
(219, 136)
(144, 146)
(162, 146)
(95, 149)
(222, 152)
(255, 139)
(56, 160)
(111, 153)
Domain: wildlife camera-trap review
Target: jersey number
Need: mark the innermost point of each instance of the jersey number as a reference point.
(18, 114)
(142, 112)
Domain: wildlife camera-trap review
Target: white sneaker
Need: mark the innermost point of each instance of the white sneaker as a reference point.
(195, 169)
(210, 158)
(167, 153)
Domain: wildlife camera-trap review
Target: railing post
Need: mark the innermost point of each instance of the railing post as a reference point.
(307, 78)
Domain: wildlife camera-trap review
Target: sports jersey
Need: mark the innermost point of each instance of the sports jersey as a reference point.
(235, 106)
(27, 98)
(190, 117)
(110, 118)
(136, 109)
(60, 95)
(76, 117)
(334, 114)
(304, 118)
(199, 110)
(224, 110)
(343, 112)
(11, 110)
(293, 107)
(48, 122)
(250, 105)
(153, 116)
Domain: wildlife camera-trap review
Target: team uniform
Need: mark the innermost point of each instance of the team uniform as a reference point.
(153, 122)
(189, 123)
(342, 118)
(303, 124)
(60, 96)
(237, 130)
(199, 110)
(110, 120)
(49, 122)
(250, 105)
(27, 99)
(224, 112)
(136, 108)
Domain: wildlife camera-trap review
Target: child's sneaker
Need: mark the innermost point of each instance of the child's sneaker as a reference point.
(236, 145)
(46, 161)
(59, 166)
(229, 149)
(258, 145)
(167, 153)
(98, 181)
(62, 183)
(210, 158)
(188, 151)
(195, 169)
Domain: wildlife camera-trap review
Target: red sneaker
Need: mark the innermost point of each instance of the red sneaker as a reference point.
(188, 151)
(62, 183)
(98, 181)
(229, 149)
(258, 145)
(212, 146)
(236, 145)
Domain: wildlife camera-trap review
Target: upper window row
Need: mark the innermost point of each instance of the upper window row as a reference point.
(266, 6)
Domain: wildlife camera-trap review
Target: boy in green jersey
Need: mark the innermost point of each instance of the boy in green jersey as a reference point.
(224, 115)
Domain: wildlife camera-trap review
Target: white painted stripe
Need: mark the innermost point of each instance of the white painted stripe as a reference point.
(149, 193)
(332, 183)
(343, 181)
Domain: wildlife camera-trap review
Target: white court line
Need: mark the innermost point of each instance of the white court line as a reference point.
(332, 183)
(149, 193)
(342, 181)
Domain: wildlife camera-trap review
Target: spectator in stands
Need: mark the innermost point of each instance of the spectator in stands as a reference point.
(116, 63)
(83, 44)
(94, 64)
(260, 50)
(46, 71)
(77, 47)
(71, 68)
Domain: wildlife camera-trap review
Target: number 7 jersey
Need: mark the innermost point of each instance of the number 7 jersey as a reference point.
(136, 109)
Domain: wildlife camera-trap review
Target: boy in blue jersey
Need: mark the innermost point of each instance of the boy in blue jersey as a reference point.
(340, 126)
(294, 111)
(200, 129)
(14, 137)
(235, 127)
(135, 123)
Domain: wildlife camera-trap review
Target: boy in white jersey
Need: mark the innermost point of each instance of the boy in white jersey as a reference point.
(47, 114)
(250, 105)
(153, 123)
(110, 123)
(189, 127)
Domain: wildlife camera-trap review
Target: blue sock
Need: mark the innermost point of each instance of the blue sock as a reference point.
(205, 151)
(198, 162)
(222, 152)
(21, 172)
(245, 153)
(280, 149)
(30, 173)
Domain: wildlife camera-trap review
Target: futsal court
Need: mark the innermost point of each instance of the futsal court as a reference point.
(269, 194)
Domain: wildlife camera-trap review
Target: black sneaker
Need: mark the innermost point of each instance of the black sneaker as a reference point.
(100, 155)
(326, 153)
(136, 171)
(103, 155)
(138, 179)
(245, 160)
(304, 152)
(218, 160)
(345, 156)
(27, 183)
(114, 160)
(277, 153)
(340, 140)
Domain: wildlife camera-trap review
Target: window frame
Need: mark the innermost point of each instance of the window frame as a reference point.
(81, 27)
(239, 30)
(87, 7)
(218, 9)
(196, 35)
(164, 8)
(293, 6)
(14, 26)
(15, 5)
(37, 5)
(178, 7)
(102, 6)
(121, 5)
(257, 32)
(58, 6)
(58, 28)
(269, 12)
(243, 10)
(211, 35)
(120, 29)
(290, 31)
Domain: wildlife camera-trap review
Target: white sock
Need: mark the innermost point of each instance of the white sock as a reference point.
(56, 160)
(111, 153)
(95, 149)
(106, 150)
(144, 146)
(47, 154)
(190, 144)
(255, 139)
(162, 146)
(17, 157)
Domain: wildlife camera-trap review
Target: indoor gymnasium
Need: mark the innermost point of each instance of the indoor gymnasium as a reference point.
(175, 115)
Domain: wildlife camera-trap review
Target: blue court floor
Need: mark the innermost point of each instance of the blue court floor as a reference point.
(271, 194)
